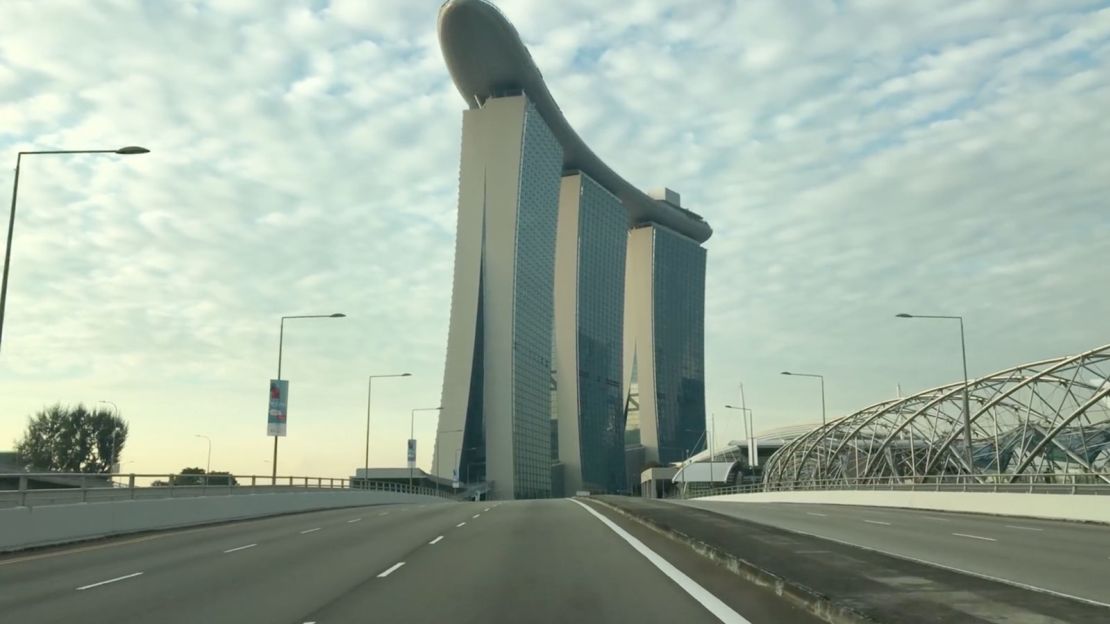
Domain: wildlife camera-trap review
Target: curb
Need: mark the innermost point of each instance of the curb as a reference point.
(800, 595)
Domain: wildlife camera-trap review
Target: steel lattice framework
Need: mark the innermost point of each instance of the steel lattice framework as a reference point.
(1034, 423)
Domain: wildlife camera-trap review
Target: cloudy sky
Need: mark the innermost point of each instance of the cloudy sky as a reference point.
(856, 159)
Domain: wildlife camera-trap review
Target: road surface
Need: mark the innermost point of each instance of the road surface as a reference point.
(523, 561)
(1068, 558)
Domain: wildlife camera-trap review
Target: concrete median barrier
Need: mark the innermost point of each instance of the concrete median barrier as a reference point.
(28, 527)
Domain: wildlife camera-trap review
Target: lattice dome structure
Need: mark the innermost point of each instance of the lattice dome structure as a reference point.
(1043, 422)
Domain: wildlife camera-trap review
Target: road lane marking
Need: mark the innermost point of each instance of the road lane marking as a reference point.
(436, 540)
(978, 537)
(937, 519)
(812, 552)
(353, 520)
(475, 516)
(459, 524)
(486, 509)
(384, 513)
(711, 603)
(877, 522)
(238, 548)
(814, 513)
(392, 569)
(118, 578)
(310, 530)
(1023, 528)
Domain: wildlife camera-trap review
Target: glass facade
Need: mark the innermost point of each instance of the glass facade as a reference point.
(678, 301)
(602, 237)
(541, 167)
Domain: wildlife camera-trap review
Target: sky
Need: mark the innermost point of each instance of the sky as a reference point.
(855, 159)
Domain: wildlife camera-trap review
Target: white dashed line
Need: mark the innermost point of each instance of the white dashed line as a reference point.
(719, 609)
(353, 520)
(384, 513)
(486, 509)
(310, 530)
(937, 519)
(460, 524)
(813, 513)
(978, 537)
(391, 570)
(1023, 528)
(436, 540)
(118, 578)
(877, 522)
(474, 516)
(238, 548)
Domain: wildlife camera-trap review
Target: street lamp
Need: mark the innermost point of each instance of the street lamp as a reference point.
(281, 343)
(11, 215)
(115, 434)
(412, 442)
(369, 392)
(208, 466)
(967, 400)
(822, 378)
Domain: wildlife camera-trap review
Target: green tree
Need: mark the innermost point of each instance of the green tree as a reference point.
(66, 439)
(195, 476)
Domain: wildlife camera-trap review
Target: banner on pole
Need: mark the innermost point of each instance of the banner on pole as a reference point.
(279, 403)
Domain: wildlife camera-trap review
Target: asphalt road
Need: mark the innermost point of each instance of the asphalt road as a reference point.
(526, 561)
(1071, 559)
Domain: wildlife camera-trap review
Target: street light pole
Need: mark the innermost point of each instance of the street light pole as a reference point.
(967, 399)
(822, 378)
(745, 413)
(369, 392)
(281, 344)
(11, 214)
(412, 431)
(208, 466)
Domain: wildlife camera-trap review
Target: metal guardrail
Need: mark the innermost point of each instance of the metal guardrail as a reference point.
(1086, 484)
(66, 488)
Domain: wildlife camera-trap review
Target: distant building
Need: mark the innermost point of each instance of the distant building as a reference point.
(543, 264)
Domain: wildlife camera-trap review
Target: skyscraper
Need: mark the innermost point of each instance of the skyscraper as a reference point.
(496, 387)
(664, 339)
(589, 316)
(541, 282)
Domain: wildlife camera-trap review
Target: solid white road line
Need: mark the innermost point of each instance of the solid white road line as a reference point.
(118, 578)
(391, 570)
(352, 521)
(713, 604)
(978, 537)
(459, 524)
(877, 522)
(237, 548)
(1023, 528)
(436, 540)
(813, 513)
(310, 530)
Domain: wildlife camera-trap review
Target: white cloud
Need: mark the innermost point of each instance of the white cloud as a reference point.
(855, 159)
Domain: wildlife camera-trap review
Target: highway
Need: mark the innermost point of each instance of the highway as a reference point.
(522, 561)
(1067, 558)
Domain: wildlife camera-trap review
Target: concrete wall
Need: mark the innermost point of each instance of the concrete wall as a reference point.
(24, 527)
(1091, 508)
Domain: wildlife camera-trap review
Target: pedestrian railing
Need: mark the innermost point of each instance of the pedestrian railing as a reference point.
(1085, 483)
(29, 489)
